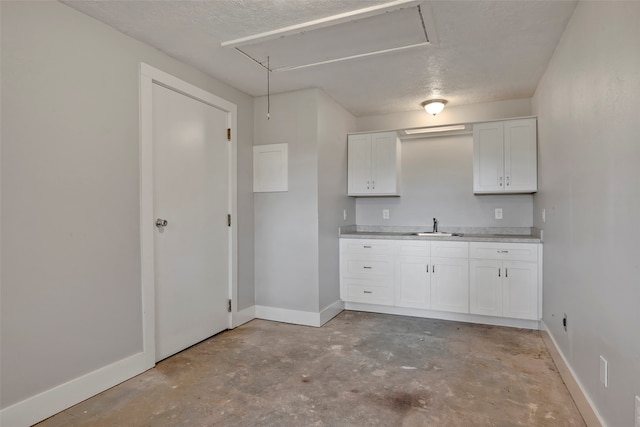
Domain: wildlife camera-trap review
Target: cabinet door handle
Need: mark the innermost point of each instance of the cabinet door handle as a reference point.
(427, 268)
(506, 272)
(367, 292)
(508, 180)
(500, 181)
(367, 184)
(498, 272)
(366, 247)
(433, 268)
(369, 268)
(503, 252)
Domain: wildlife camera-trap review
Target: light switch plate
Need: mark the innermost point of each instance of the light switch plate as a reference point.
(498, 213)
(544, 215)
(604, 372)
(385, 213)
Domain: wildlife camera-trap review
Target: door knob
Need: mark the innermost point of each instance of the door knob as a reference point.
(161, 222)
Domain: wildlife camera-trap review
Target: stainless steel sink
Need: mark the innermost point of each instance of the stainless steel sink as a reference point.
(436, 234)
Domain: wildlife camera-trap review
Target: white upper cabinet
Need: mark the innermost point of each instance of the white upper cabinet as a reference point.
(505, 157)
(374, 164)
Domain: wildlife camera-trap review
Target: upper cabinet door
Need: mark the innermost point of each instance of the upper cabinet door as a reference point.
(385, 165)
(488, 157)
(520, 156)
(374, 164)
(505, 157)
(359, 169)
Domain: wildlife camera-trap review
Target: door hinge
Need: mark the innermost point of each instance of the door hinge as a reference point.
(229, 220)
(228, 134)
(229, 307)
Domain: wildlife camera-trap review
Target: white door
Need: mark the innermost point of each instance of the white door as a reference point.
(485, 287)
(520, 155)
(488, 157)
(384, 175)
(191, 192)
(412, 282)
(359, 168)
(520, 292)
(450, 284)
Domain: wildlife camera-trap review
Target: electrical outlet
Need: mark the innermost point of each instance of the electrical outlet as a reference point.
(385, 213)
(498, 213)
(637, 411)
(344, 214)
(604, 372)
(564, 322)
(544, 215)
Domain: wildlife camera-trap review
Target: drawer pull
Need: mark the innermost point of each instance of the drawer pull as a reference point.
(503, 252)
(368, 268)
(367, 292)
(498, 272)
(367, 247)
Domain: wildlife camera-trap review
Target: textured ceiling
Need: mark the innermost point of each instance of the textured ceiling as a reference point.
(485, 50)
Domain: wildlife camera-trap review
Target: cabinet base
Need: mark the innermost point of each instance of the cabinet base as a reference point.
(442, 315)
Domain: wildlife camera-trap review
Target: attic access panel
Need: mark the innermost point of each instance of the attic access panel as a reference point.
(339, 38)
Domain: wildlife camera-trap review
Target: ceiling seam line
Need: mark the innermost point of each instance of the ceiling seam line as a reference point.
(424, 27)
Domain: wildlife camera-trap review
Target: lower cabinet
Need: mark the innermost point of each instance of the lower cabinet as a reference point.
(432, 275)
(366, 271)
(504, 288)
(504, 280)
(432, 283)
(490, 279)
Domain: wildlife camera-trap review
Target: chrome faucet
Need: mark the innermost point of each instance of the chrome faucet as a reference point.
(435, 225)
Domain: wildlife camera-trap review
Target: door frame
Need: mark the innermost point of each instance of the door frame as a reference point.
(148, 77)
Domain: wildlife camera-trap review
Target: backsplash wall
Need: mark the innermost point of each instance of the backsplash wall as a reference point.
(437, 181)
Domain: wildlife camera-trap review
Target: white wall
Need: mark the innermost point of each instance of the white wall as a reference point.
(437, 181)
(286, 223)
(437, 174)
(296, 243)
(588, 108)
(334, 122)
(71, 292)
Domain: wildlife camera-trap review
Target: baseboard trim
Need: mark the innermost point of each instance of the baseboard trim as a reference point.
(443, 315)
(43, 405)
(331, 311)
(586, 407)
(297, 317)
(243, 316)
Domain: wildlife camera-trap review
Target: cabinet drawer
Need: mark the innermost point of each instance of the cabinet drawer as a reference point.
(446, 249)
(504, 251)
(366, 246)
(420, 248)
(368, 294)
(373, 267)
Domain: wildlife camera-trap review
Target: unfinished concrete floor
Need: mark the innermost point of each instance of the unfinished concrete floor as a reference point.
(360, 369)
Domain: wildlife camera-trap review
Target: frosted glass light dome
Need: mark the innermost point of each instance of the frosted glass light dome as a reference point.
(434, 106)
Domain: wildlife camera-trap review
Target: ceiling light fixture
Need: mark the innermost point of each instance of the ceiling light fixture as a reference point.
(434, 106)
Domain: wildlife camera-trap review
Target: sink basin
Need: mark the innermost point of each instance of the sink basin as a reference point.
(437, 234)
